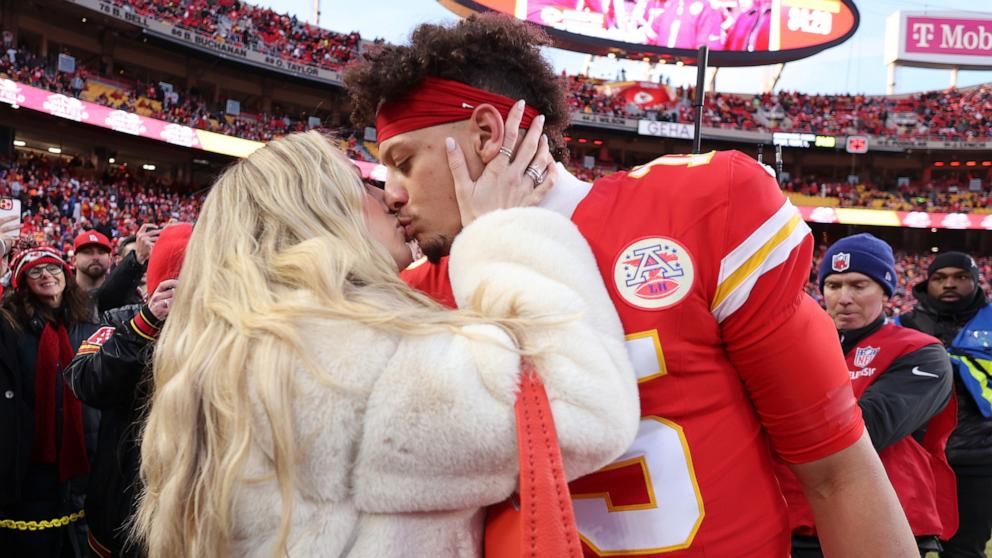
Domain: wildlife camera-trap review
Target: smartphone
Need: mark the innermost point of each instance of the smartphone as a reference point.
(10, 206)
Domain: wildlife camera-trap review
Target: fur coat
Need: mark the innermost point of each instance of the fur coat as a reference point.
(403, 460)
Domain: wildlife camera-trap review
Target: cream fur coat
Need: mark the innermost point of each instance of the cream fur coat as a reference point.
(405, 465)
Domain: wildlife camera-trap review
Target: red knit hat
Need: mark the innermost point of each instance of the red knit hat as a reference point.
(34, 257)
(167, 255)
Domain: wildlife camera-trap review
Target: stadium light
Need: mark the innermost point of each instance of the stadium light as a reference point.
(611, 55)
(583, 140)
(987, 163)
(84, 20)
(55, 150)
(148, 167)
(970, 164)
(111, 160)
(568, 138)
(680, 63)
(934, 249)
(938, 164)
(19, 143)
(955, 163)
(933, 229)
(597, 142)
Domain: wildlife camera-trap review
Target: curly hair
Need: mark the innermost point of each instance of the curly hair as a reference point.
(489, 51)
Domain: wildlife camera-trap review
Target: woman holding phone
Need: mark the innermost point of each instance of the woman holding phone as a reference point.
(307, 402)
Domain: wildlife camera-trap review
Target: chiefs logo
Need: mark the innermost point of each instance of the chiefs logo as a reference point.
(653, 273)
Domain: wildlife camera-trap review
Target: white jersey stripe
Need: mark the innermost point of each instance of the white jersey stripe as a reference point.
(743, 252)
(781, 253)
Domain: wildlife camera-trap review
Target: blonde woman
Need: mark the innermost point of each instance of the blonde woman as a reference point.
(308, 403)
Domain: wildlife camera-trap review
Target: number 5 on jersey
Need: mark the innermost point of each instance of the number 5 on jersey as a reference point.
(648, 501)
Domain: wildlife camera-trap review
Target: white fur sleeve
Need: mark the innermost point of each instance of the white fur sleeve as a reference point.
(440, 431)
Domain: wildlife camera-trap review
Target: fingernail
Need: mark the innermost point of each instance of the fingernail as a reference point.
(545, 138)
(449, 143)
(520, 104)
(540, 119)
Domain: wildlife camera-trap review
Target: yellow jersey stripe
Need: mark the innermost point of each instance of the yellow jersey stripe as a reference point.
(754, 262)
(743, 252)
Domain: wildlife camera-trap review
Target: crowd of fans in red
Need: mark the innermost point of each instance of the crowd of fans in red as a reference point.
(59, 199)
(260, 29)
(946, 195)
(948, 115)
(911, 268)
(943, 195)
(188, 108)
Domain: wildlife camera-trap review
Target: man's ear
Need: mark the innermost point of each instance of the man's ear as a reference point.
(486, 130)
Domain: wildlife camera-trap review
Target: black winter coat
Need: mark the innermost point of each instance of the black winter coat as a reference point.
(969, 450)
(113, 374)
(16, 419)
(121, 287)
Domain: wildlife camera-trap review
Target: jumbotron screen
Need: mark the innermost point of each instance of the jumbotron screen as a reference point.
(738, 32)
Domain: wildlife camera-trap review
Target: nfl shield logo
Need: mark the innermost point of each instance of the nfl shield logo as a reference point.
(841, 262)
(864, 355)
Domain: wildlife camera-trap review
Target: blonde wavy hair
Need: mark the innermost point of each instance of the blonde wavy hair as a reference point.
(281, 238)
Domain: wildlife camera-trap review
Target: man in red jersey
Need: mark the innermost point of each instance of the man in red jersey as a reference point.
(705, 261)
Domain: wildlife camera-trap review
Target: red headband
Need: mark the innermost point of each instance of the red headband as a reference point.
(439, 101)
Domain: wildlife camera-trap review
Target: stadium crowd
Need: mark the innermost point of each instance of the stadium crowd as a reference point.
(60, 199)
(188, 108)
(948, 195)
(261, 29)
(951, 114)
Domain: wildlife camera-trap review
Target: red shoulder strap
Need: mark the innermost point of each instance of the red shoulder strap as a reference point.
(545, 504)
(543, 526)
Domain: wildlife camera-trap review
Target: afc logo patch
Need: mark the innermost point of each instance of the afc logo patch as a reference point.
(653, 273)
(841, 261)
(864, 355)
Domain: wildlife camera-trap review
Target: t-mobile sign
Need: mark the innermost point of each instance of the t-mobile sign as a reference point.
(971, 37)
(944, 39)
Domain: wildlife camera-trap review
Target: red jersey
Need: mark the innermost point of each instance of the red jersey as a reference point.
(706, 261)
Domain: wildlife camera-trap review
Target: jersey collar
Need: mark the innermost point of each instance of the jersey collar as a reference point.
(567, 194)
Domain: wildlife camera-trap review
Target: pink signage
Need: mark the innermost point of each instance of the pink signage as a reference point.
(19, 95)
(63, 106)
(910, 219)
(939, 35)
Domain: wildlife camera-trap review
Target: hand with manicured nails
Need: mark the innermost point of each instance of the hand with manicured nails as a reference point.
(161, 300)
(505, 182)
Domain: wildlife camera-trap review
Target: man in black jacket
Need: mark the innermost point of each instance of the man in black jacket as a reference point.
(112, 372)
(902, 379)
(120, 287)
(947, 301)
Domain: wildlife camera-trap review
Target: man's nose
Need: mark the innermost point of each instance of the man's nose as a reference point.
(396, 196)
(845, 297)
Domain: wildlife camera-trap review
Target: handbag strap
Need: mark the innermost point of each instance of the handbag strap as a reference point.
(545, 505)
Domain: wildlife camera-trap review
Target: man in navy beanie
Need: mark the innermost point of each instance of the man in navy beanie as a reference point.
(902, 379)
(951, 306)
